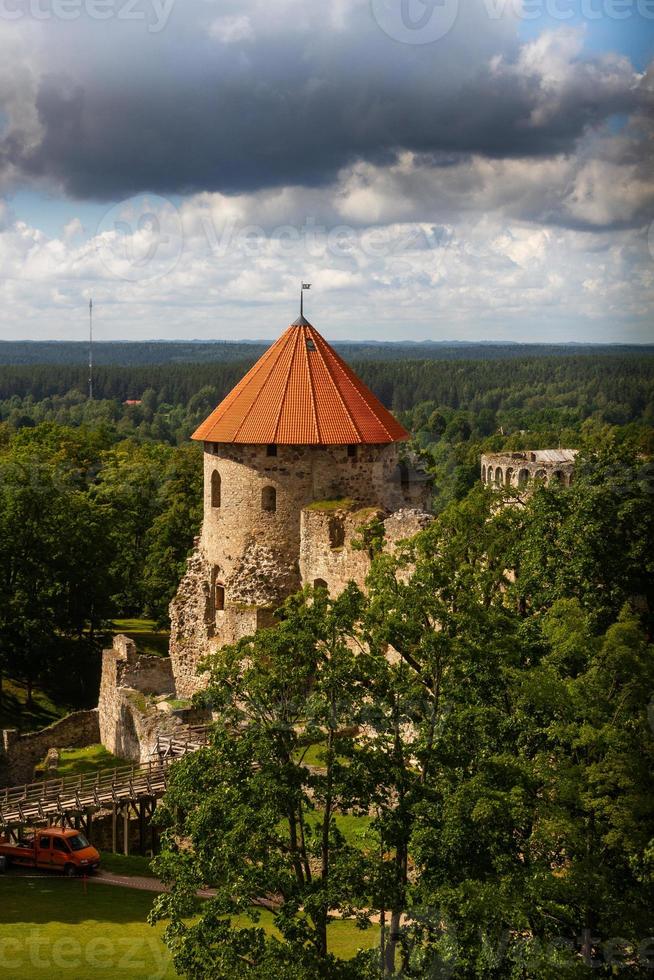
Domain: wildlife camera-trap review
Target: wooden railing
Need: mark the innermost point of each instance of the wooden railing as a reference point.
(103, 787)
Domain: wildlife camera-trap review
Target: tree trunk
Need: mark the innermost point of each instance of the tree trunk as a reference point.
(321, 923)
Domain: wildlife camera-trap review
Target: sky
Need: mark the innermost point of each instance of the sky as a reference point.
(437, 169)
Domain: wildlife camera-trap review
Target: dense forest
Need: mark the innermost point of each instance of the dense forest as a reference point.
(454, 410)
(133, 353)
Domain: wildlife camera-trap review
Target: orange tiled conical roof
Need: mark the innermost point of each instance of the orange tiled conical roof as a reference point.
(300, 392)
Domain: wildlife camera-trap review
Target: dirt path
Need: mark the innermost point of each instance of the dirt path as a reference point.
(141, 883)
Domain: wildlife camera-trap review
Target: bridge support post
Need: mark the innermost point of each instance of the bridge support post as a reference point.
(126, 830)
(114, 829)
(141, 805)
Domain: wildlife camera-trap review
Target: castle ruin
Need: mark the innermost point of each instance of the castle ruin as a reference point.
(296, 458)
(523, 468)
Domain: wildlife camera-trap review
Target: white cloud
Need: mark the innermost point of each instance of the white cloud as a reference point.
(231, 29)
(486, 276)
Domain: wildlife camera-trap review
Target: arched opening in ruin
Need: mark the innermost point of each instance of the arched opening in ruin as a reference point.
(336, 534)
(483, 474)
(508, 476)
(557, 477)
(219, 597)
(523, 477)
(540, 475)
(319, 583)
(215, 489)
(489, 475)
(269, 499)
(498, 476)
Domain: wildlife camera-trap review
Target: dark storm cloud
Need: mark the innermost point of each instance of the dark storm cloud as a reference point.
(281, 111)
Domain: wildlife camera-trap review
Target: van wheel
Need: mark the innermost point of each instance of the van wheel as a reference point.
(69, 870)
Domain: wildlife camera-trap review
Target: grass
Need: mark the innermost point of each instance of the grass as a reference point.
(60, 929)
(344, 503)
(312, 755)
(144, 632)
(74, 762)
(177, 703)
(55, 929)
(133, 864)
(14, 712)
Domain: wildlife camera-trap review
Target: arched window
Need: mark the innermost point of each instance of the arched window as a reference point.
(540, 475)
(508, 476)
(269, 499)
(489, 475)
(557, 477)
(219, 597)
(352, 451)
(498, 476)
(215, 489)
(483, 473)
(271, 449)
(523, 477)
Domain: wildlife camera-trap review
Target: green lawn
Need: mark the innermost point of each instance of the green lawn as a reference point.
(51, 930)
(131, 864)
(73, 762)
(59, 929)
(14, 712)
(144, 632)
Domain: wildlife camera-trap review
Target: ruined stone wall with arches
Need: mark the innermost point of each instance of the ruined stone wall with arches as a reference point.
(527, 468)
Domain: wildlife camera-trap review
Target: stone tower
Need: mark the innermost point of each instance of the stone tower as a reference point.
(299, 428)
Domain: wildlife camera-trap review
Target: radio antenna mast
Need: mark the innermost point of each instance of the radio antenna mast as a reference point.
(90, 350)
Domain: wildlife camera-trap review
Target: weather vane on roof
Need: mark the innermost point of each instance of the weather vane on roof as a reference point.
(304, 285)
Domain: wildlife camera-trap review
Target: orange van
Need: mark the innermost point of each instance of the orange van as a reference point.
(57, 848)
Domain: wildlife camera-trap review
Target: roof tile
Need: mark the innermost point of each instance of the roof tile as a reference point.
(300, 392)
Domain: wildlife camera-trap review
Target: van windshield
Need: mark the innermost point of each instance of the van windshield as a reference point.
(78, 843)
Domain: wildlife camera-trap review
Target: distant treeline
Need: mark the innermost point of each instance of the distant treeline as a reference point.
(620, 387)
(136, 353)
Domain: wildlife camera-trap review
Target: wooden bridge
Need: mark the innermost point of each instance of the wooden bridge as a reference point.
(128, 791)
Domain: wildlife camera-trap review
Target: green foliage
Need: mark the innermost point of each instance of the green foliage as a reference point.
(501, 758)
(90, 528)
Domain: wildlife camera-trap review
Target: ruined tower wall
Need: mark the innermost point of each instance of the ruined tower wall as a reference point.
(328, 554)
(249, 558)
(300, 475)
(127, 729)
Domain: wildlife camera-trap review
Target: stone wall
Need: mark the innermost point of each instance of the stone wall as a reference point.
(192, 625)
(258, 545)
(20, 753)
(128, 721)
(236, 522)
(327, 554)
(524, 467)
